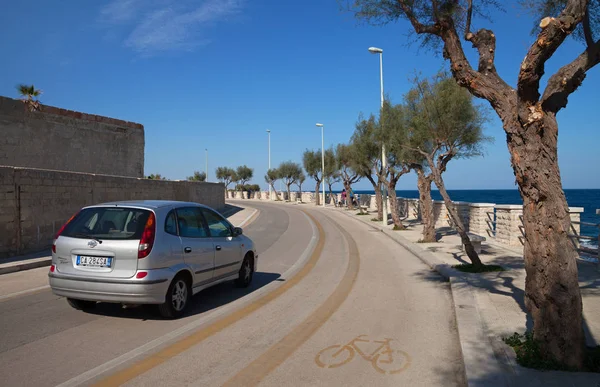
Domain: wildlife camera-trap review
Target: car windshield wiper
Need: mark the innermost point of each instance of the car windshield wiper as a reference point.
(84, 235)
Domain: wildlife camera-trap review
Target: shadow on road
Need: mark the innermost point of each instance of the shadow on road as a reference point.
(206, 300)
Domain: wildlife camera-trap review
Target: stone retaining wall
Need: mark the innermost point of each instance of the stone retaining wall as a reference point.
(34, 203)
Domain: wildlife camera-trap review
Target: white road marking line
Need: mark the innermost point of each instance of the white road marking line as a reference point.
(24, 292)
(88, 375)
(248, 218)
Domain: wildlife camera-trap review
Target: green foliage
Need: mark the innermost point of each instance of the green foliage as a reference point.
(198, 176)
(530, 355)
(552, 8)
(243, 174)
(311, 160)
(290, 172)
(469, 268)
(226, 175)
(248, 187)
(301, 179)
(346, 160)
(381, 12)
(272, 176)
(29, 96)
(156, 176)
(444, 118)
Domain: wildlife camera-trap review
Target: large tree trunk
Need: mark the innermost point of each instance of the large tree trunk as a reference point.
(552, 293)
(289, 199)
(394, 206)
(426, 204)
(348, 198)
(458, 223)
(317, 196)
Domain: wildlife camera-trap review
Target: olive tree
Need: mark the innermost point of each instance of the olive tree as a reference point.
(243, 174)
(226, 176)
(393, 129)
(528, 116)
(447, 125)
(290, 173)
(332, 170)
(311, 160)
(345, 158)
(198, 176)
(301, 179)
(367, 156)
(271, 178)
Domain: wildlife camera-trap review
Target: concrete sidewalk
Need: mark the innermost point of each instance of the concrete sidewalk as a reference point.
(490, 306)
(237, 214)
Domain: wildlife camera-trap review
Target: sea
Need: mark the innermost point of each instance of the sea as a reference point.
(589, 199)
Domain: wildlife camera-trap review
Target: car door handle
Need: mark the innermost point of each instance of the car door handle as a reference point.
(218, 247)
(187, 250)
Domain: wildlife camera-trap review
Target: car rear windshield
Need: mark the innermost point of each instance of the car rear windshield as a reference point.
(117, 223)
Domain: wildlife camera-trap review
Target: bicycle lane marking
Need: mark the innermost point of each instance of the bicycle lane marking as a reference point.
(273, 357)
(330, 357)
(121, 377)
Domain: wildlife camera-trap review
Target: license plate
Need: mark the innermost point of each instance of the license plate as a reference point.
(83, 260)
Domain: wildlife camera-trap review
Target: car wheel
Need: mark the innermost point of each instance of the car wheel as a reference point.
(177, 298)
(81, 304)
(246, 273)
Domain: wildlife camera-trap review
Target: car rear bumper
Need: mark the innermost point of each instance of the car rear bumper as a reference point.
(149, 290)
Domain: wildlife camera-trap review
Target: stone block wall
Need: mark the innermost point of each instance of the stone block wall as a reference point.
(481, 218)
(509, 226)
(440, 214)
(60, 139)
(35, 203)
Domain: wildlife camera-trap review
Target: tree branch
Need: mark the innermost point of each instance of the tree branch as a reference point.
(587, 30)
(568, 79)
(554, 32)
(469, 15)
(417, 25)
(485, 84)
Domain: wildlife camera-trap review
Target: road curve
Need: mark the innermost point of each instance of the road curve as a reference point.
(335, 303)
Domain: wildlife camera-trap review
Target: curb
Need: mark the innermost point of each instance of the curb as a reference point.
(25, 265)
(482, 367)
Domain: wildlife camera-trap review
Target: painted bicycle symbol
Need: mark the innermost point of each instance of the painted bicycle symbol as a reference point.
(384, 358)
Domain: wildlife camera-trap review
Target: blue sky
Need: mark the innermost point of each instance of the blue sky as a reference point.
(217, 73)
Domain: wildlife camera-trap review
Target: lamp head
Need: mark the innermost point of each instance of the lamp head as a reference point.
(319, 125)
(375, 50)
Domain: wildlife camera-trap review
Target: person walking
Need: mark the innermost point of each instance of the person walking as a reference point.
(344, 197)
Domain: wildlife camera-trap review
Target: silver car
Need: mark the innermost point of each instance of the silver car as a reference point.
(147, 252)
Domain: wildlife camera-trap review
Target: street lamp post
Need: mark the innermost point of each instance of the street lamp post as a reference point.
(322, 159)
(269, 136)
(206, 179)
(375, 50)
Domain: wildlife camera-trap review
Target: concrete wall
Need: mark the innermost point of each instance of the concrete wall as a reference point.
(65, 140)
(34, 203)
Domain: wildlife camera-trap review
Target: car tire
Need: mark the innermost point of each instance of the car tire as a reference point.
(246, 273)
(81, 304)
(177, 298)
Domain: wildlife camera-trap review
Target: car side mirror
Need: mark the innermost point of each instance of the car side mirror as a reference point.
(237, 231)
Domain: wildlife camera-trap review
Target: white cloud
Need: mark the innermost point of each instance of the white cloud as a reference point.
(167, 25)
(120, 11)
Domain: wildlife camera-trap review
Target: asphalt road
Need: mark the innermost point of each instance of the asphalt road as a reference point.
(333, 303)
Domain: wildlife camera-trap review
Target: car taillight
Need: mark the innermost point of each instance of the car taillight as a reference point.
(52, 268)
(60, 230)
(147, 240)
